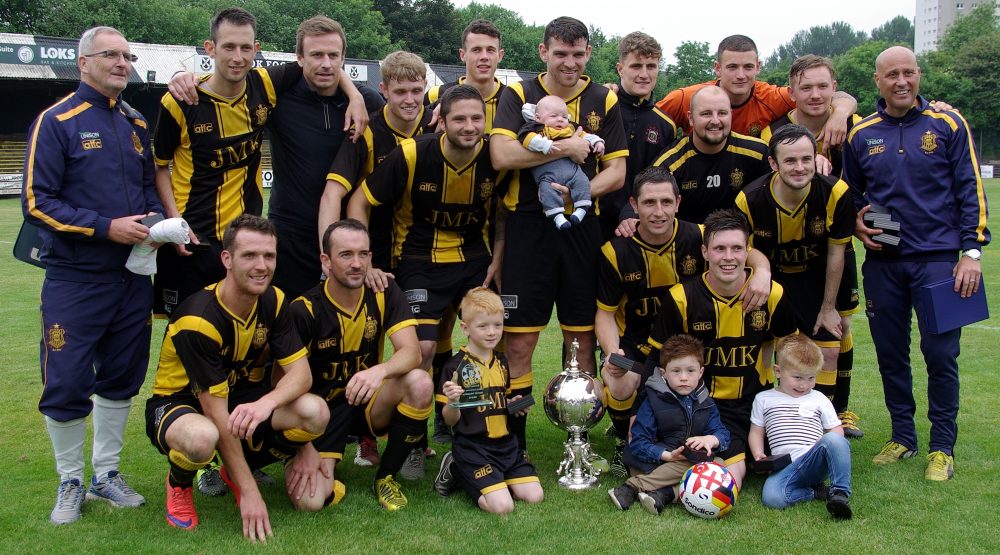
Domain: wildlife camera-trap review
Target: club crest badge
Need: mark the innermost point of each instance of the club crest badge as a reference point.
(370, 328)
(817, 227)
(689, 266)
(928, 142)
(486, 189)
(259, 337)
(261, 113)
(57, 337)
(736, 178)
(652, 135)
(755, 130)
(758, 320)
(593, 122)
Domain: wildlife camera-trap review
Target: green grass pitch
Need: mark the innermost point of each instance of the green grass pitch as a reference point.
(895, 509)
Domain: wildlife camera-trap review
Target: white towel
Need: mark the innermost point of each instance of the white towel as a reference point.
(142, 260)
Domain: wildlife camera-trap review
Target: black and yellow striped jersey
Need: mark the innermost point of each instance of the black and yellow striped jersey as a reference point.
(208, 348)
(595, 108)
(795, 238)
(356, 161)
(633, 276)
(735, 343)
(215, 149)
(443, 211)
(835, 155)
(435, 93)
(482, 422)
(343, 341)
(709, 182)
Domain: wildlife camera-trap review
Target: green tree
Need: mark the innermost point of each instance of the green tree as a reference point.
(826, 40)
(979, 22)
(21, 16)
(695, 64)
(898, 30)
(277, 20)
(430, 28)
(603, 57)
(855, 70)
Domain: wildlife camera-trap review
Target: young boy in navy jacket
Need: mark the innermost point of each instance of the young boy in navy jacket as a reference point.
(676, 415)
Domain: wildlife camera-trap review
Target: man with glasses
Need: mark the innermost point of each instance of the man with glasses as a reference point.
(88, 184)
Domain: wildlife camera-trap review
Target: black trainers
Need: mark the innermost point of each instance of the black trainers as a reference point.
(838, 505)
(445, 482)
(655, 501)
(623, 496)
(821, 492)
(442, 431)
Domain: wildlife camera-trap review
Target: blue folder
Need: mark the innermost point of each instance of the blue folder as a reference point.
(948, 310)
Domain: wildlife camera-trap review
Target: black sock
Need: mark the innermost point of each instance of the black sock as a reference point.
(407, 429)
(845, 367)
(518, 424)
(182, 469)
(619, 412)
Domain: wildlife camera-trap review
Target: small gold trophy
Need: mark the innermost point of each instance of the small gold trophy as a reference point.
(470, 378)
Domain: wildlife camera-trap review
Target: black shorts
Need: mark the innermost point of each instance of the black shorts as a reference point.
(735, 416)
(803, 294)
(298, 268)
(432, 288)
(380, 233)
(163, 410)
(847, 296)
(345, 419)
(486, 465)
(543, 266)
(177, 277)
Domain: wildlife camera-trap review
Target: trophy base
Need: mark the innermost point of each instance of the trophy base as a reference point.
(471, 404)
(578, 483)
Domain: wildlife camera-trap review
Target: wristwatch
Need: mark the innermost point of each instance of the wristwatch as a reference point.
(974, 254)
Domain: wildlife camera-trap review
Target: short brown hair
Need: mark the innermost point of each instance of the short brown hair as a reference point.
(725, 219)
(346, 223)
(654, 174)
(798, 352)
(249, 222)
(237, 17)
(680, 346)
(565, 29)
(480, 27)
(807, 62)
(459, 92)
(403, 66)
(480, 300)
(736, 43)
(642, 44)
(317, 26)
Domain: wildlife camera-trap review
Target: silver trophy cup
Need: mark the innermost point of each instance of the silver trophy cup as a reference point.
(574, 401)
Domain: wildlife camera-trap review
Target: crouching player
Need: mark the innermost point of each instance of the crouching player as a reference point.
(677, 418)
(343, 324)
(210, 391)
(801, 422)
(485, 458)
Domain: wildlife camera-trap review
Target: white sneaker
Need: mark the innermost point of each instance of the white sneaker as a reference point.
(113, 488)
(69, 500)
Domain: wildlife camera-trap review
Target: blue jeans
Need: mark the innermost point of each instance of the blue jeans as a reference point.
(831, 456)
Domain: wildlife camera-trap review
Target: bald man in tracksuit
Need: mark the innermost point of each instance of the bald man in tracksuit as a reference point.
(921, 167)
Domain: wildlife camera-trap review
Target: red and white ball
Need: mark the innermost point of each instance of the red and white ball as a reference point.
(708, 490)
